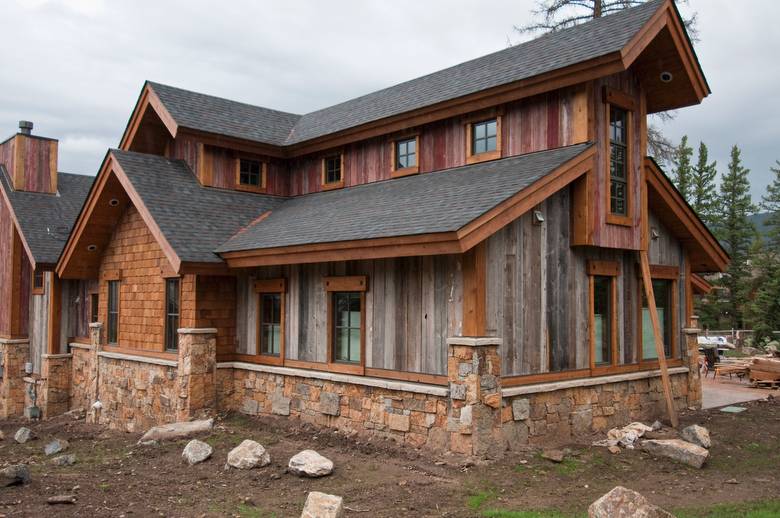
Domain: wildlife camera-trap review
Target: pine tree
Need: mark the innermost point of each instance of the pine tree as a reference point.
(681, 176)
(703, 186)
(771, 203)
(736, 232)
(763, 310)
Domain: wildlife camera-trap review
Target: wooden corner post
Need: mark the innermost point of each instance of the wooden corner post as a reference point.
(474, 280)
(659, 342)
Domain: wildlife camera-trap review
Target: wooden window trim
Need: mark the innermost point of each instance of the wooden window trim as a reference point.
(165, 348)
(346, 283)
(404, 171)
(661, 272)
(612, 97)
(263, 175)
(332, 185)
(354, 283)
(609, 269)
(271, 286)
(472, 158)
(39, 290)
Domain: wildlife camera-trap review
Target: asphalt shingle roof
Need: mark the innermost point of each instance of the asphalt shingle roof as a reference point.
(547, 53)
(194, 219)
(441, 201)
(47, 219)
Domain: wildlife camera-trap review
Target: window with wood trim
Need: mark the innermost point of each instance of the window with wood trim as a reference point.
(251, 173)
(94, 307)
(112, 327)
(664, 293)
(172, 313)
(603, 276)
(618, 161)
(332, 171)
(484, 136)
(270, 320)
(38, 282)
(405, 152)
(346, 323)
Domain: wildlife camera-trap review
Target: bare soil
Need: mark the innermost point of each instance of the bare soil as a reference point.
(115, 477)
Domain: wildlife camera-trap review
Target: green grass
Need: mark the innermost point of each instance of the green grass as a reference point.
(759, 509)
(249, 511)
(479, 498)
(568, 467)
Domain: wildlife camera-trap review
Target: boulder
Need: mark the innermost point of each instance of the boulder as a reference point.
(14, 475)
(625, 503)
(196, 451)
(677, 449)
(64, 460)
(247, 455)
(56, 446)
(553, 455)
(309, 463)
(23, 435)
(180, 430)
(322, 505)
(697, 435)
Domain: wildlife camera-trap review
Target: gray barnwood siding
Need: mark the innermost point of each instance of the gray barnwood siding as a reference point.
(412, 306)
(39, 323)
(75, 310)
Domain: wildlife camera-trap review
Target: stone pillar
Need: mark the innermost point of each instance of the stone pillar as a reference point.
(692, 358)
(93, 373)
(14, 354)
(55, 393)
(474, 415)
(197, 377)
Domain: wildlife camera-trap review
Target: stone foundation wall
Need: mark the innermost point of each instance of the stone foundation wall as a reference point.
(560, 416)
(54, 396)
(408, 418)
(14, 354)
(82, 381)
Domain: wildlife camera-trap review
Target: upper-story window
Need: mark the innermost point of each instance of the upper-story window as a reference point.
(332, 171)
(38, 284)
(483, 138)
(250, 172)
(405, 156)
(618, 161)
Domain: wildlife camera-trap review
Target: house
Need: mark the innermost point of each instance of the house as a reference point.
(456, 262)
(38, 207)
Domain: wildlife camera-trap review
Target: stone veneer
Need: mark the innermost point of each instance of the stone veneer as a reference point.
(14, 354)
(54, 396)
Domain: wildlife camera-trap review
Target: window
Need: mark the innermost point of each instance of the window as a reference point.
(663, 290)
(618, 161)
(113, 312)
(250, 173)
(270, 320)
(38, 283)
(603, 313)
(94, 299)
(332, 176)
(405, 156)
(346, 324)
(483, 140)
(271, 324)
(172, 309)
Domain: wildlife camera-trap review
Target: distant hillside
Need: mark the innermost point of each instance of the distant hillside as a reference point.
(758, 220)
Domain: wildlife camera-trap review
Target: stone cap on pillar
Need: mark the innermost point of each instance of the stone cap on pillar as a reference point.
(95, 325)
(197, 330)
(14, 341)
(474, 341)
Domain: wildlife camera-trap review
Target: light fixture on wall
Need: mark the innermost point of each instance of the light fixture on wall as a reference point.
(91, 248)
(538, 217)
(113, 202)
(666, 77)
(654, 235)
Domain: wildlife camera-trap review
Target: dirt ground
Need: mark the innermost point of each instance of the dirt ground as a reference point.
(114, 477)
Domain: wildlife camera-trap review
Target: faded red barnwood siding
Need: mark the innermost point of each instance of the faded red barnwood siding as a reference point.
(31, 163)
(6, 268)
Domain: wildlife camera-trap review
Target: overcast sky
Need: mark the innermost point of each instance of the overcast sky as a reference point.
(76, 67)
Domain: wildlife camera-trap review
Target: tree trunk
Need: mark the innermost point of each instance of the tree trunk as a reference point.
(597, 8)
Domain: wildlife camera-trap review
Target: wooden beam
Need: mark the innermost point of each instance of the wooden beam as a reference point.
(55, 312)
(474, 291)
(659, 343)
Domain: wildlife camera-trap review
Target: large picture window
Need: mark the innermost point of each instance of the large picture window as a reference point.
(172, 313)
(112, 331)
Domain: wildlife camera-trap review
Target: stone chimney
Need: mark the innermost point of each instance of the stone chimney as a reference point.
(30, 161)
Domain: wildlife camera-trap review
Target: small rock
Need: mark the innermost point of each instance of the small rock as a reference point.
(61, 499)
(2, 436)
(322, 505)
(23, 435)
(179, 430)
(309, 463)
(275, 476)
(196, 451)
(677, 449)
(149, 444)
(732, 481)
(64, 460)
(657, 425)
(622, 502)
(697, 435)
(247, 455)
(14, 475)
(553, 455)
(56, 446)
(614, 449)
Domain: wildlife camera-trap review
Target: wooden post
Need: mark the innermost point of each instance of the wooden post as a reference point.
(659, 342)
(474, 280)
